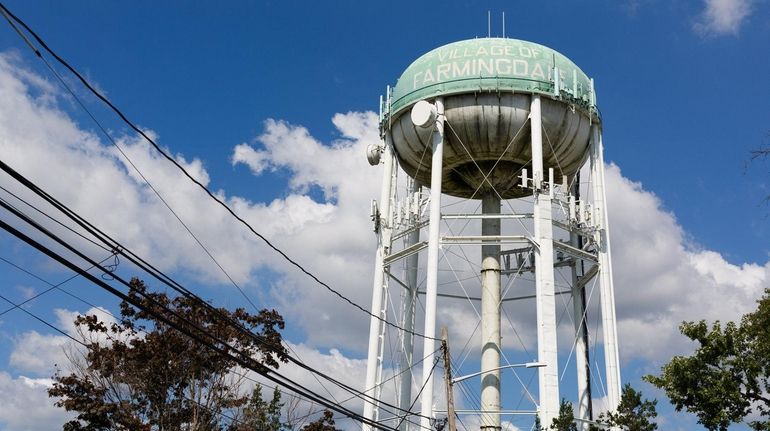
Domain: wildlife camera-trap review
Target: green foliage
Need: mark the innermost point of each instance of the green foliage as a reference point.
(538, 426)
(633, 413)
(727, 377)
(566, 419)
(259, 414)
(141, 374)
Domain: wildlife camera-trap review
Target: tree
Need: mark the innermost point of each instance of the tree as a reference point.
(324, 423)
(633, 413)
(139, 373)
(566, 419)
(763, 152)
(259, 414)
(538, 426)
(728, 376)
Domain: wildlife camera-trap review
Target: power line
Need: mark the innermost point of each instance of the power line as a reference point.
(433, 368)
(159, 196)
(53, 286)
(41, 320)
(159, 275)
(168, 157)
(88, 227)
(197, 334)
(108, 312)
(394, 376)
(59, 330)
(195, 181)
(43, 213)
(116, 246)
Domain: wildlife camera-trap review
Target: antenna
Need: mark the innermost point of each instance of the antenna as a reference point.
(503, 24)
(489, 23)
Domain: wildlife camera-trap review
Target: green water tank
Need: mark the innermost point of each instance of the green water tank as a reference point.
(486, 85)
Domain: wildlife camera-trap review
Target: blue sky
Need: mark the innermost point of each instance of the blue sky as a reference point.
(682, 108)
(682, 87)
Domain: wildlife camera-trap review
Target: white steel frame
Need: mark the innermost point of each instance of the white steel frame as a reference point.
(586, 219)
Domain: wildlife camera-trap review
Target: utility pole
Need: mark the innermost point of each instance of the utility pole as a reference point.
(450, 408)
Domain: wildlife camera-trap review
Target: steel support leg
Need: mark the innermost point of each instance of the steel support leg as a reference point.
(606, 288)
(581, 342)
(544, 277)
(431, 286)
(407, 320)
(383, 244)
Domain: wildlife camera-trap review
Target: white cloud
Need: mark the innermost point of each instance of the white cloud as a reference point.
(37, 136)
(661, 277)
(333, 363)
(347, 371)
(330, 235)
(257, 161)
(332, 239)
(40, 354)
(25, 405)
(723, 16)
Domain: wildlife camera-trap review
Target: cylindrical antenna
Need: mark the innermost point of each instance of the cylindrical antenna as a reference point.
(503, 24)
(489, 23)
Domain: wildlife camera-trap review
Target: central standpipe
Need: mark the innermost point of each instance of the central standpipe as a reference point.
(490, 316)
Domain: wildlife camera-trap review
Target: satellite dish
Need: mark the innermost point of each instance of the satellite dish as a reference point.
(373, 153)
(423, 114)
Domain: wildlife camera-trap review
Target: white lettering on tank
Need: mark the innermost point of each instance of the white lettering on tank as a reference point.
(520, 67)
(464, 71)
(503, 66)
(416, 78)
(428, 77)
(486, 65)
(537, 72)
(450, 65)
(443, 70)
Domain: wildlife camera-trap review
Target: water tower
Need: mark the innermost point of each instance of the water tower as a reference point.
(507, 137)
